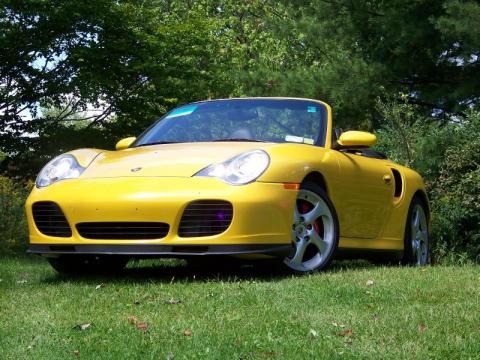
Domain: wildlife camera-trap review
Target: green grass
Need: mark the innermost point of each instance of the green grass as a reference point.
(248, 313)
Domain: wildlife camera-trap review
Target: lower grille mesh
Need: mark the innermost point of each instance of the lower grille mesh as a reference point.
(50, 219)
(205, 218)
(123, 230)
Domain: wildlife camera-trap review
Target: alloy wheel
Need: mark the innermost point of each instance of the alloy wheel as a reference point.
(314, 234)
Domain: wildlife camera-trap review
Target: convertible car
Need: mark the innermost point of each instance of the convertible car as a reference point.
(249, 177)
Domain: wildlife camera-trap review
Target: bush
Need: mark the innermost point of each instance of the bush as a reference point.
(447, 156)
(456, 195)
(13, 223)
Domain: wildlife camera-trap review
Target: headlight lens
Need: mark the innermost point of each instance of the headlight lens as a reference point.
(240, 170)
(62, 167)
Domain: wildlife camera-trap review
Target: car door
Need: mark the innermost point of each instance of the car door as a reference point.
(364, 194)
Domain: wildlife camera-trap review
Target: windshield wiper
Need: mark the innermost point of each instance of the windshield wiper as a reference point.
(219, 140)
(238, 139)
(157, 143)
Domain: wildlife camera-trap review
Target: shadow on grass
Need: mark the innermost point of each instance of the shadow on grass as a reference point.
(208, 270)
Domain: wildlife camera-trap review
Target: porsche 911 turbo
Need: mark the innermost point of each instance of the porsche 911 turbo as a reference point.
(247, 177)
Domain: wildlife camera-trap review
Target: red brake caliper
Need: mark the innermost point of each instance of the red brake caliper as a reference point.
(318, 226)
(305, 207)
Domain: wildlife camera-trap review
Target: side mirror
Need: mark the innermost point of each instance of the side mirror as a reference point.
(356, 140)
(125, 143)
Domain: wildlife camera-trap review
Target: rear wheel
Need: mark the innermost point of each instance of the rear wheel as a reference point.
(314, 230)
(88, 264)
(416, 242)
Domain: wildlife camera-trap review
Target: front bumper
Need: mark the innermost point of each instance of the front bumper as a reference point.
(262, 215)
(161, 250)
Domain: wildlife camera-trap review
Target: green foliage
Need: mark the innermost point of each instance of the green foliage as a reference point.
(413, 139)
(132, 61)
(135, 60)
(13, 224)
(457, 194)
(128, 59)
(402, 130)
(350, 52)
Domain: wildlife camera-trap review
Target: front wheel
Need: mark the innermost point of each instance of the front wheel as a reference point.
(91, 264)
(314, 231)
(416, 242)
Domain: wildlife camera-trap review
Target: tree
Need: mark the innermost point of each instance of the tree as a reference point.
(129, 60)
(351, 52)
(133, 60)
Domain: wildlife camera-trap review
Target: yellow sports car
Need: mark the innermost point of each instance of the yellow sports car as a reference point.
(249, 177)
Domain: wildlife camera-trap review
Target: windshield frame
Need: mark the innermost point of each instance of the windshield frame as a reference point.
(320, 141)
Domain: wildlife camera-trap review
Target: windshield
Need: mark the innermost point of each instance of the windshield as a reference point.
(264, 120)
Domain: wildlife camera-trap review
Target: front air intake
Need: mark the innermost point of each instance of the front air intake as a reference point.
(50, 220)
(123, 230)
(205, 218)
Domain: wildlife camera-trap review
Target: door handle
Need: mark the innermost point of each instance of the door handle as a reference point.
(387, 178)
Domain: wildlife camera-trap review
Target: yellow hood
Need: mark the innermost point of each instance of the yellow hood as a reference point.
(175, 160)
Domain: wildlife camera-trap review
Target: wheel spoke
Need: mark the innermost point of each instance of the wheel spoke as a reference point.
(425, 250)
(424, 235)
(419, 252)
(318, 211)
(414, 245)
(420, 236)
(319, 243)
(414, 224)
(416, 219)
(296, 216)
(300, 248)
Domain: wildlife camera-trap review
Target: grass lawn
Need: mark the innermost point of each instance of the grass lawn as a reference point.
(166, 310)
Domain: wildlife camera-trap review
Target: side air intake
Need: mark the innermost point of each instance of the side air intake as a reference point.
(205, 218)
(50, 220)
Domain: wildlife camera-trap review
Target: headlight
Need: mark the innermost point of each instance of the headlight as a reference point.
(62, 167)
(241, 169)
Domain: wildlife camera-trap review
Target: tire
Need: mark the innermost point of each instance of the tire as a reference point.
(83, 264)
(416, 239)
(315, 231)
